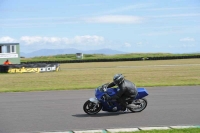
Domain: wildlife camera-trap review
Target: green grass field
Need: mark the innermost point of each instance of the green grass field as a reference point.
(184, 72)
(189, 130)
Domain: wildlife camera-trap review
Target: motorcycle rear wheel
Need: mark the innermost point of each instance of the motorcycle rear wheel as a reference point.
(141, 102)
(91, 108)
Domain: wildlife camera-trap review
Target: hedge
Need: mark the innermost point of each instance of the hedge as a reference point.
(119, 59)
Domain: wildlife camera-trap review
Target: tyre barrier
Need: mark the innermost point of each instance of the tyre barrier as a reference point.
(30, 68)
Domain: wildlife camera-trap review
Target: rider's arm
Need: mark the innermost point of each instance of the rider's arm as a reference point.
(111, 85)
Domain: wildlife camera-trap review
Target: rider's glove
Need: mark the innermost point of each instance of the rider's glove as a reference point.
(104, 86)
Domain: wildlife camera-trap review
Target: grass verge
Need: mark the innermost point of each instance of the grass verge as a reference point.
(188, 130)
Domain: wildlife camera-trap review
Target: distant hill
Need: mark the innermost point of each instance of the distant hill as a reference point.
(49, 52)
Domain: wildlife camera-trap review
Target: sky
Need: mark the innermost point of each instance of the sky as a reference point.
(132, 26)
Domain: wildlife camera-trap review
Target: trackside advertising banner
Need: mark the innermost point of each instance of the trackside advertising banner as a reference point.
(29, 68)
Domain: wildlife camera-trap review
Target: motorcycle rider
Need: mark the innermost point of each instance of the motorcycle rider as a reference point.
(126, 90)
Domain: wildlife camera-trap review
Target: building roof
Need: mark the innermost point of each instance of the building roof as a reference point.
(9, 44)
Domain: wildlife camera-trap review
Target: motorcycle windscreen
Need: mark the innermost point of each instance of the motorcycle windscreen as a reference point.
(142, 92)
(111, 91)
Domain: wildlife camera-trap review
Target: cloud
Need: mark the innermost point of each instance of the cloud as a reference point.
(78, 40)
(87, 39)
(28, 40)
(114, 19)
(127, 44)
(7, 39)
(176, 15)
(187, 39)
(54, 21)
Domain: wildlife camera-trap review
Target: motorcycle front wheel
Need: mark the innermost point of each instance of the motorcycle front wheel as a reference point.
(142, 105)
(92, 108)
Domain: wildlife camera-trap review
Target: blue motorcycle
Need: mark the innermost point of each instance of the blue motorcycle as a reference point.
(99, 102)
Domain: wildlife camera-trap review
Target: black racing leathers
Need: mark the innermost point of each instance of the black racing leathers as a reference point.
(127, 90)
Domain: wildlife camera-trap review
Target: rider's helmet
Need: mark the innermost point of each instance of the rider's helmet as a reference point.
(118, 79)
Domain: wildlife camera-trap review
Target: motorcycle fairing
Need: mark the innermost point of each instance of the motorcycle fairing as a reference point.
(94, 100)
(142, 92)
(107, 105)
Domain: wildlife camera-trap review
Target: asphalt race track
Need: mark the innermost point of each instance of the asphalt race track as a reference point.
(63, 111)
